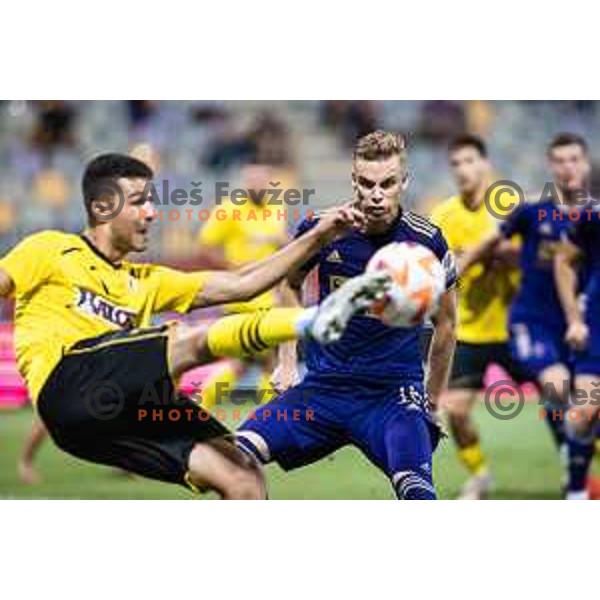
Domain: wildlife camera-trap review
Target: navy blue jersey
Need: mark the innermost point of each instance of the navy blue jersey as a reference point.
(586, 236)
(370, 350)
(541, 227)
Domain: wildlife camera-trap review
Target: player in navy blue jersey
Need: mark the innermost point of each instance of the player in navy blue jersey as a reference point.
(537, 324)
(581, 253)
(370, 389)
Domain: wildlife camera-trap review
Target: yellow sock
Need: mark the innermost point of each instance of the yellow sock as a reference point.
(225, 378)
(252, 333)
(473, 459)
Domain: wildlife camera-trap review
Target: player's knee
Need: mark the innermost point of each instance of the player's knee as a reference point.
(555, 383)
(413, 485)
(458, 414)
(187, 348)
(580, 421)
(253, 445)
(247, 484)
(458, 405)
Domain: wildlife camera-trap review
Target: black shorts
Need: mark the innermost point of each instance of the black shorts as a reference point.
(111, 400)
(472, 360)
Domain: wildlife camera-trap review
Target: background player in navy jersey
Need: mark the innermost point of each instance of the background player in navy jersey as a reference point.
(583, 335)
(537, 324)
(484, 298)
(370, 388)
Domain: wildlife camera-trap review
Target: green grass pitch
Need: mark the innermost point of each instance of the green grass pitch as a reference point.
(524, 462)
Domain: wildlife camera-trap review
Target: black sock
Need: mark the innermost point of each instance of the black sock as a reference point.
(555, 421)
(580, 451)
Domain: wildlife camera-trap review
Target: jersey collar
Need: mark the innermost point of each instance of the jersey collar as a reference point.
(99, 253)
(391, 228)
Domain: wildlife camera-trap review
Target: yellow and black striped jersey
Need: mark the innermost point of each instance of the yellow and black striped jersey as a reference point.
(66, 291)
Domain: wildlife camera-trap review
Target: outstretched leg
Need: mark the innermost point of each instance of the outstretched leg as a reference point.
(251, 333)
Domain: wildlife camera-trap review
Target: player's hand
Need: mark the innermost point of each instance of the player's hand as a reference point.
(504, 254)
(336, 221)
(577, 335)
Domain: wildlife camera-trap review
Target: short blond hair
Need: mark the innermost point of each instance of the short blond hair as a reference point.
(380, 145)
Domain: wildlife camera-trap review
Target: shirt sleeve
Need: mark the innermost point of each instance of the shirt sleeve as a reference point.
(437, 243)
(305, 226)
(446, 257)
(516, 223)
(30, 263)
(176, 290)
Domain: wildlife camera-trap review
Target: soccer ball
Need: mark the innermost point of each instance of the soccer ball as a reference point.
(418, 283)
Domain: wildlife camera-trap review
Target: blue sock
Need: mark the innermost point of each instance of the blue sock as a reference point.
(554, 419)
(580, 451)
(414, 485)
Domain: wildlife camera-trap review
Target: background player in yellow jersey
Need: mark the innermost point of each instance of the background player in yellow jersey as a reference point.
(96, 369)
(485, 293)
(232, 240)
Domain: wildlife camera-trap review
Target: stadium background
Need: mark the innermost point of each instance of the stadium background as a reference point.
(44, 146)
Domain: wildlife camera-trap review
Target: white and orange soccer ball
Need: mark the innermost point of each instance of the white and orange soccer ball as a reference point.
(419, 282)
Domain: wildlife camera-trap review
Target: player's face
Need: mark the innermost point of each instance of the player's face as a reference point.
(131, 227)
(378, 187)
(570, 167)
(257, 178)
(469, 169)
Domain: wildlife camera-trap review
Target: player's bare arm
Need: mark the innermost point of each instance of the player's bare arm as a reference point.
(506, 254)
(442, 347)
(6, 284)
(470, 257)
(565, 275)
(222, 287)
(286, 371)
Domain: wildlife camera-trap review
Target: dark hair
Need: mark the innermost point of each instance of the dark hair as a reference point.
(102, 173)
(468, 141)
(567, 139)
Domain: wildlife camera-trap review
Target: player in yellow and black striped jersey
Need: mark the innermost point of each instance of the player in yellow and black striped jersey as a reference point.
(484, 298)
(88, 353)
(235, 235)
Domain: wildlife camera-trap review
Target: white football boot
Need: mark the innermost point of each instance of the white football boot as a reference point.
(357, 294)
(477, 487)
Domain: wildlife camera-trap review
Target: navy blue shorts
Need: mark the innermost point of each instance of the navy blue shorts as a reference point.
(390, 425)
(537, 346)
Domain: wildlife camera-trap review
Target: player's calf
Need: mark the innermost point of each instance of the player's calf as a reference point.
(458, 405)
(579, 428)
(251, 334)
(554, 382)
